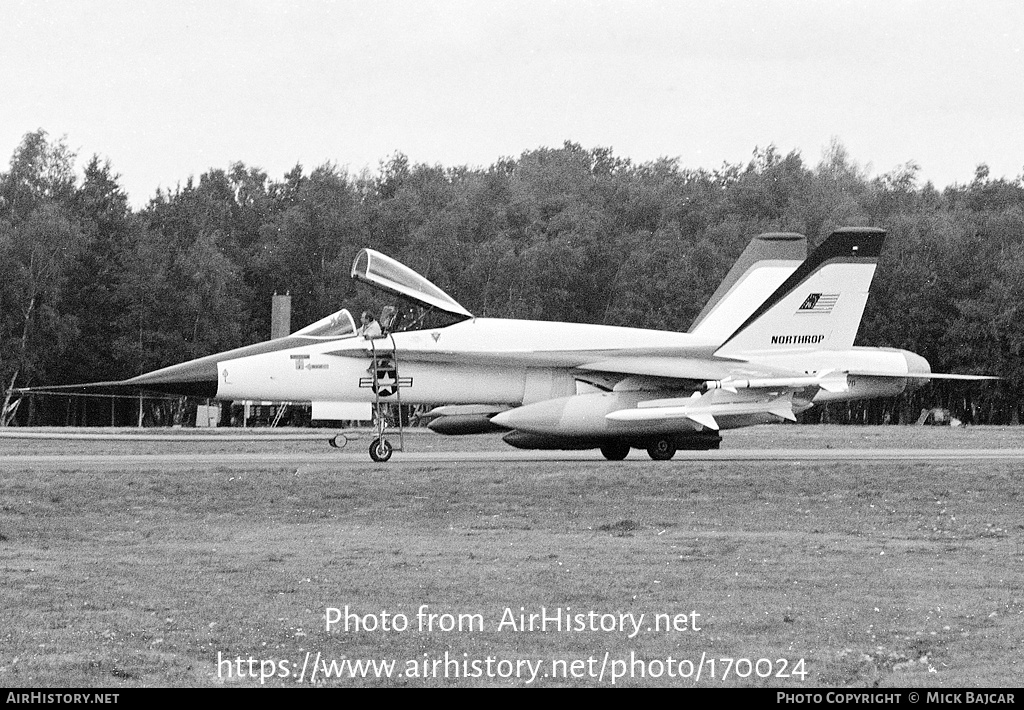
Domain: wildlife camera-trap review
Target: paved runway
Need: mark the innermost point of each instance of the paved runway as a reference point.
(360, 458)
(186, 435)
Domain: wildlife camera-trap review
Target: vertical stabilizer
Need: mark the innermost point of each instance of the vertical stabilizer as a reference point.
(820, 305)
(763, 266)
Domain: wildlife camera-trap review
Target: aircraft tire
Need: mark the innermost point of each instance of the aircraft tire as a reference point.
(380, 450)
(662, 450)
(615, 452)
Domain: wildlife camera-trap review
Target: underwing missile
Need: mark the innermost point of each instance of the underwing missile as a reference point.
(834, 383)
(705, 413)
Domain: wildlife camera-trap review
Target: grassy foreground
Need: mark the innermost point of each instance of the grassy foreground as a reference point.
(904, 574)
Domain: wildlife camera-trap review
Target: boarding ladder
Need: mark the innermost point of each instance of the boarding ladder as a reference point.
(384, 368)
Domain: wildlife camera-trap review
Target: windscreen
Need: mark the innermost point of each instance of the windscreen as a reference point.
(336, 325)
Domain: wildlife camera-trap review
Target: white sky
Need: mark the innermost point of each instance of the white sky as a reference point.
(168, 90)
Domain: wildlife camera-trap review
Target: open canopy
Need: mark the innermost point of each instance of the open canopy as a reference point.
(385, 273)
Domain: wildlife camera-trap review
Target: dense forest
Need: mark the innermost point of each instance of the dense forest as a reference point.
(91, 289)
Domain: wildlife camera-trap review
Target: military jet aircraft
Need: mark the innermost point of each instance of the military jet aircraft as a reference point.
(775, 339)
(766, 262)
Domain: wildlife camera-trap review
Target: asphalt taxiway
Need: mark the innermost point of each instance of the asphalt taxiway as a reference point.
(237, 449)
(360, 457)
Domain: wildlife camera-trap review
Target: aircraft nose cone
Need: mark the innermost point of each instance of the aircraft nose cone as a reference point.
(197, 378)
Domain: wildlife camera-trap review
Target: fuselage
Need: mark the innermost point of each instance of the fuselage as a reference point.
(476, 360)
(518, 362)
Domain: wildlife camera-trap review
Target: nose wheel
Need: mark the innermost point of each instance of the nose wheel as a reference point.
(380, 450)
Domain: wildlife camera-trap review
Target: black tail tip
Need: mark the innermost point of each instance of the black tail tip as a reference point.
(859, 242)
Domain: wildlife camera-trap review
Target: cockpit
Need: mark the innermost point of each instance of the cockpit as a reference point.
(420, 304)
(413, 303)
(416, 304)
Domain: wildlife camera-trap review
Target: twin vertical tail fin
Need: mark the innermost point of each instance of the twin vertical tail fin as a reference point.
(820, 305)
(764, 265)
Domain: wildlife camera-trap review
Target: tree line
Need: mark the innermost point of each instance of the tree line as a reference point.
(91, 289)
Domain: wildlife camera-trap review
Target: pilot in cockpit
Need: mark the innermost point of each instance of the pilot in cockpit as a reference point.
(388, 319)
(370, 328)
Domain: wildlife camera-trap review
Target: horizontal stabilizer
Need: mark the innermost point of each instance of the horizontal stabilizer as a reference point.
(929, 376)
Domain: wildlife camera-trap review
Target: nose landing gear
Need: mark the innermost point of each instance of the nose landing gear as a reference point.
(381, 450)
(386, 384)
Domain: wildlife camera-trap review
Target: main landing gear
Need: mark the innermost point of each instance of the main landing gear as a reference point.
(615, 452)
(662, 449)
(658, 449)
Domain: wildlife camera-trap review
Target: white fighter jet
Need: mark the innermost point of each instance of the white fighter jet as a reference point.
(775, 339)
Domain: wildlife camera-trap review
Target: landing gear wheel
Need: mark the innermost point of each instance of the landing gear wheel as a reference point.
(380, 450)
(662, 450)
(615, 452)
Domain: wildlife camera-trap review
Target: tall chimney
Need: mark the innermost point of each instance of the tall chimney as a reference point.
(281, 316)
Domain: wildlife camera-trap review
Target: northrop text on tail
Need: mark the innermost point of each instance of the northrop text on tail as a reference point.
(776, 338)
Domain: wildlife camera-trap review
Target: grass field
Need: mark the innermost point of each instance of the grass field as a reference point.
(897, 574)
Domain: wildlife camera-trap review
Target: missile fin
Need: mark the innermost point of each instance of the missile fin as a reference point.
(784, 410)
(705, 420)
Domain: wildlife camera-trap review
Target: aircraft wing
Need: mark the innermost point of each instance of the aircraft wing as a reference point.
(682, 365)
(677, 368)
(643, 362)
(674, 363)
